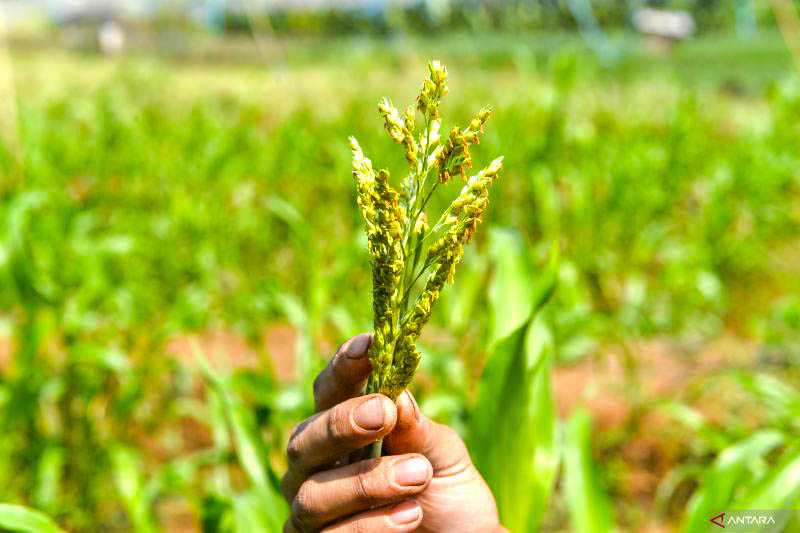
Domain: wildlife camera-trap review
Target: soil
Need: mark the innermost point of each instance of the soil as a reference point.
(6, 349)
(227, 349)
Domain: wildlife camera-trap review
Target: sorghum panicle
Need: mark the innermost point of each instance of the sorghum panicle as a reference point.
(398, 232)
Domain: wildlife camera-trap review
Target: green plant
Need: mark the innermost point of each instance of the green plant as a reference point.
(403, 245)
(513, 425)
(589, 506)
(25, 520)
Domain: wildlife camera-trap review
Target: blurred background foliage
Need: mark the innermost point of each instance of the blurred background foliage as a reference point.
(180, 251)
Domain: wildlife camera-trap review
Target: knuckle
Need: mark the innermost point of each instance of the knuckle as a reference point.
(366, 489)
(298, 429)
(337, 369)
(302, 505)
(338, 425)
(294, 450)
(452, 440)
(304, 508)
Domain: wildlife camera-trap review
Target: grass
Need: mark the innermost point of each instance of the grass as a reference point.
(151, 198)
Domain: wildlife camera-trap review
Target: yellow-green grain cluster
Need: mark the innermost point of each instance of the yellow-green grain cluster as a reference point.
(406, 251)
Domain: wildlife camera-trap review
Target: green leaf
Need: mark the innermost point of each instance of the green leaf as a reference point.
(466, 297)
(131, 486)
(712, 438)
(288, 213)
(513, 426)
(260, 511)
(512, 283)
(25, 520)
(725, 474)
(779, 489)
(250, 449)
(48, 478)
(782, 400)
(216, 514)
(589, 506)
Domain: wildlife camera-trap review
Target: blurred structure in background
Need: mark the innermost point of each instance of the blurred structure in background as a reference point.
(664, 20)
(184, 29)
(84, 24)
(663, 28)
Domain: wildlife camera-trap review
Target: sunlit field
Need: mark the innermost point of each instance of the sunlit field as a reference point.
(181, 251)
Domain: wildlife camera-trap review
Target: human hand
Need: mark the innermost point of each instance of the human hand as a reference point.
(426, 482)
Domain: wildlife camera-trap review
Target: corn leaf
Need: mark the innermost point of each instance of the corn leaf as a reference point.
(134, 493)
(216, 514)
(253, 511)
(462, 302)
(711, 437)
(779, 488)
(782, 399)
(25, 520)
(589, 506)
(512, 283)
(250, 448)
(513, 426)
(725, 474)
(48, 482)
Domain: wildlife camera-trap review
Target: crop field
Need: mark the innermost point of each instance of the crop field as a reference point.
(181, 252)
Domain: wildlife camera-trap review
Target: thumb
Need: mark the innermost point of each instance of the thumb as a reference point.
(416, 433)
(457, 498)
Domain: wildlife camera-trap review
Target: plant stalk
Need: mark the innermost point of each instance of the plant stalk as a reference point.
(375, 449)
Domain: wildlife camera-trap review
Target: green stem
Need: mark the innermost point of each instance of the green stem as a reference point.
(375, 450)
(428, 197)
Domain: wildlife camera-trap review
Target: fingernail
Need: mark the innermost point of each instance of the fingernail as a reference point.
(414, 405)
(405, 513)
(412, 472)
(369, 415)
(358, 346)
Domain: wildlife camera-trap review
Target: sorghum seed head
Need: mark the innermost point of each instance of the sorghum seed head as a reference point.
(397, 226)
(432, 91)
(393, 122)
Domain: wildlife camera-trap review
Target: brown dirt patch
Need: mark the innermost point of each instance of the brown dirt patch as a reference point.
(644, 444)
(227, 349)
(6, 350)
(279, 344)
(595, 384)
(177, 516)
(222, 348)
(662, 369)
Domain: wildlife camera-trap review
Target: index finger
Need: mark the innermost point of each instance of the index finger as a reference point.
(346, 373)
